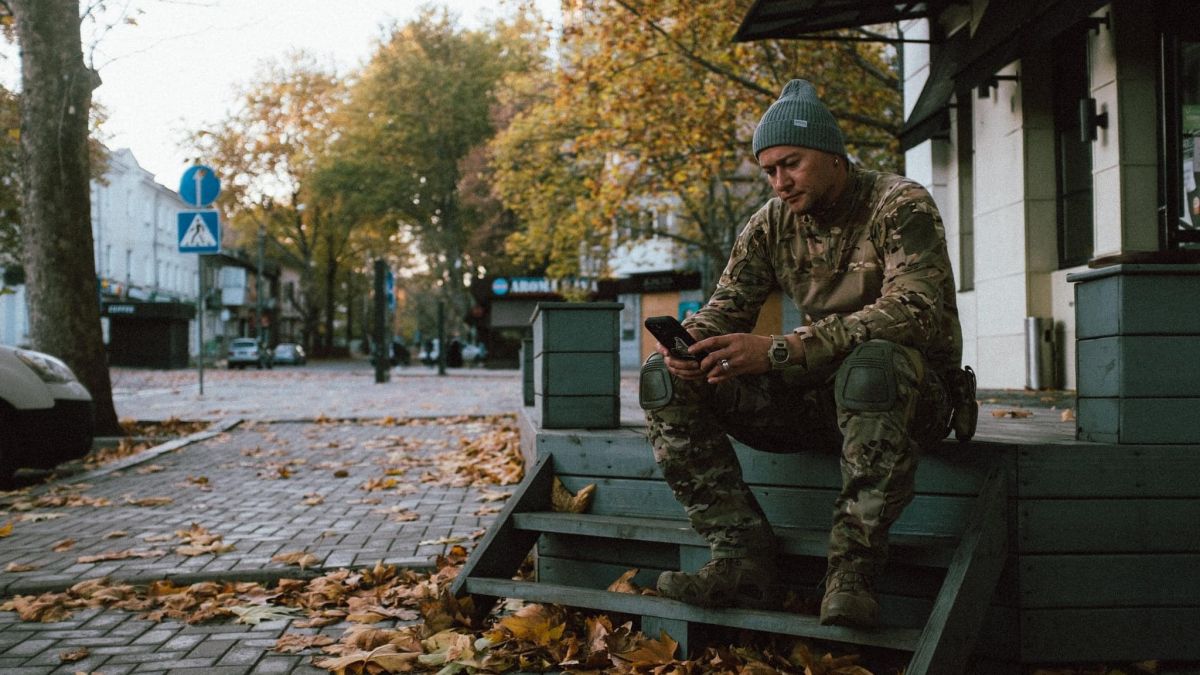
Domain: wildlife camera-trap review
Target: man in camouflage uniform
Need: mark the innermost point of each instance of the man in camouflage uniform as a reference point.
(863, 254)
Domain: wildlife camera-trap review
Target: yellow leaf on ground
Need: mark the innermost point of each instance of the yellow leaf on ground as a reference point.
(1068, 415)
(63, 545)
(6, 529)
(302, 559)
(19, 567)
(291, 643)
(73, 655)
(1013, 413)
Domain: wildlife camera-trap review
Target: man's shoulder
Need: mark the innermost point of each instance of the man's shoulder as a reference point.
(888, 192)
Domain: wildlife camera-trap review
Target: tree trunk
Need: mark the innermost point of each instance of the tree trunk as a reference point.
(64, 304)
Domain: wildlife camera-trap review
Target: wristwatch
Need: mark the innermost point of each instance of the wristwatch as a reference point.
(779, 352)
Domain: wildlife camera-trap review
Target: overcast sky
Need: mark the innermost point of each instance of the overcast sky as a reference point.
(182, 62)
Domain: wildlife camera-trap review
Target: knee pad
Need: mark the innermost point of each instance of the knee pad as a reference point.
(866, 380)
(655, 389)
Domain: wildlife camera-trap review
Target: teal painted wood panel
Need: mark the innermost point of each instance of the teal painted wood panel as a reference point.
(1160, 420)
(1116, 634)
(1098, 420)
(576, 327)
(565, 412)
(792, 507)
(1142, 421)
(629, 552)
(905, 611)
(1110, 580)
(952, 469)
(527, 371)
(1133, 366)
(1108, 525)
(577, 374)
(1137, 299)
(1109, 471)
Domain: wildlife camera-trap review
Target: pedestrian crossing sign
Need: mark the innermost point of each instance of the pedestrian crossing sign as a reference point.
(199, 232)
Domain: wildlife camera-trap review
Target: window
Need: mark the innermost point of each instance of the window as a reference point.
(1179, 171)
(964, 136)
(1072, 153)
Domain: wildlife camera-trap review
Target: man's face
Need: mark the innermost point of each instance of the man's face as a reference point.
(806, 180)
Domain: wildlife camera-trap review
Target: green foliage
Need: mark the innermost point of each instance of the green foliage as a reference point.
(652, 108)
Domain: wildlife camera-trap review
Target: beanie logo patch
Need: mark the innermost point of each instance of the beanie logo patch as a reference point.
(800, 123)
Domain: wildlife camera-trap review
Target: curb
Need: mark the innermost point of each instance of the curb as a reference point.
(148, 454)
(260, 576)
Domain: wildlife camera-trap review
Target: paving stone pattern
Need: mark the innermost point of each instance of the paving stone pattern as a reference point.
(255, 509)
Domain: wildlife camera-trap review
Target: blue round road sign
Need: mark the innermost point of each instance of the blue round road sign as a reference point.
(199, 186)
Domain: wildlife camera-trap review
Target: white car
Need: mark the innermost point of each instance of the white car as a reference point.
(46, 415)
(246, 352)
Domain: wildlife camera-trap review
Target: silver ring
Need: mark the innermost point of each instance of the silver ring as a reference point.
(725, 365)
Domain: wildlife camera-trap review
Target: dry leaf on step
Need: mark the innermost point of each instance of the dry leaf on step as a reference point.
(562, 501)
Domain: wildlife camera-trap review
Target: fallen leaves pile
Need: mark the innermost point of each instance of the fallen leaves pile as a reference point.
(407, 621)
(140, 436)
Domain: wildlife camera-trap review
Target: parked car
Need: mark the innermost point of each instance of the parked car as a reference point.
(474, 353)
(289, 353)
(46, 415)
(246, 352)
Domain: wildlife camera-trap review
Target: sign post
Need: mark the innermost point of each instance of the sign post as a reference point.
(199, 232)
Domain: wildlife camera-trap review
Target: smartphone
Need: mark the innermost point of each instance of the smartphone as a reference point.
(672, 335)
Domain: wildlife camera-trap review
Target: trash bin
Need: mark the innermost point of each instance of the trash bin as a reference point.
(1040, 371)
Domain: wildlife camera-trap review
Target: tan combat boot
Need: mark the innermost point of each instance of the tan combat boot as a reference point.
(724, 582)
(848, 600)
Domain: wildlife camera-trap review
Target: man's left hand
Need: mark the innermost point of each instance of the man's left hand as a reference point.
(734, 354)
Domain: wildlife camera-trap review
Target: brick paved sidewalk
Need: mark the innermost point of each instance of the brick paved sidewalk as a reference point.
(267, 488)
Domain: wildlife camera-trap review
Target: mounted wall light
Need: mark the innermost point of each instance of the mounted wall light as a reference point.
(1089, 121)
(993, 82)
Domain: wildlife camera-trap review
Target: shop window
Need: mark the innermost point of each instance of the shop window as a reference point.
(1187, 230)
(1179, 104)
(965, 147)
(1072, 152)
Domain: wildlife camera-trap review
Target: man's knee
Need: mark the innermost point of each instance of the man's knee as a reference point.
(875, 377)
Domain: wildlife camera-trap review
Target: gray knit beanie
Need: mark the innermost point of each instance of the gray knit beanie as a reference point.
(799, 118)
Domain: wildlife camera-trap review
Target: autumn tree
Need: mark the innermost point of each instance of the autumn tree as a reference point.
(267, 151)
(652, 110)
(56, 86)
(420, 108)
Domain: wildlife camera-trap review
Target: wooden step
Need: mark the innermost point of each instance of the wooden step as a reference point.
(802, 625)
(913, 549)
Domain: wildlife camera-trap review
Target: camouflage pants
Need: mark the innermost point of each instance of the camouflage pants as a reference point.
(782, 411)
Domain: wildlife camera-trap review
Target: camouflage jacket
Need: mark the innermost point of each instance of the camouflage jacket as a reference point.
(875, 267)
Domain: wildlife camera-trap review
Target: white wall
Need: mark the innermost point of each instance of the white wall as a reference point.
(1011, 236)
(134, 227)
(135, 236)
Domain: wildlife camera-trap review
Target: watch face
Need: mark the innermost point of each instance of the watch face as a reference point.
(779, 354)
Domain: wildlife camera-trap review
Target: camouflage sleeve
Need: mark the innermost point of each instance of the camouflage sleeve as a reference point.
(916, 265)
(748, 279)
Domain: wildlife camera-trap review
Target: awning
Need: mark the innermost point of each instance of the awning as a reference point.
(1007, 30)
(784, 19)
(929, 114)
(1012, 28)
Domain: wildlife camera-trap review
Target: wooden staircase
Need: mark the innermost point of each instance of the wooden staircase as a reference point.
(959, 571)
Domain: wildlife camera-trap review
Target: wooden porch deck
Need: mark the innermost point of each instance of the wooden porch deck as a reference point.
(1103, 559)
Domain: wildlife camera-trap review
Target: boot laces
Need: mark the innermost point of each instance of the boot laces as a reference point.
(849, 582)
